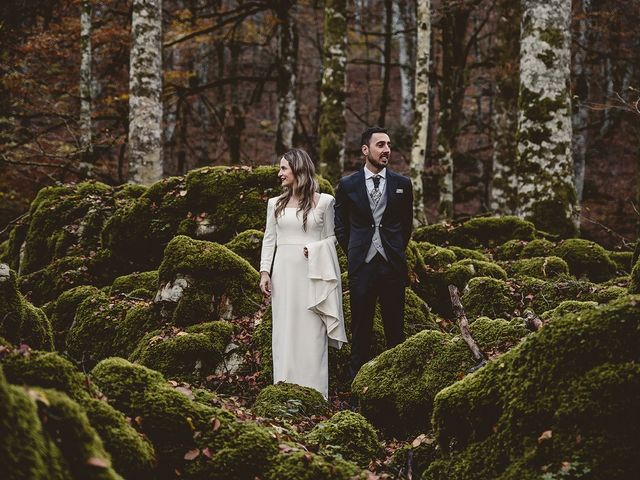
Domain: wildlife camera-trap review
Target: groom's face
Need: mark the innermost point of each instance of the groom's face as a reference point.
(378, 152)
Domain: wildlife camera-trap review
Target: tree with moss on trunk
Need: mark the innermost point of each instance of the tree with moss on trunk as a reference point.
(333, 124)
(546, 193)
(421, 109)
(145, 89)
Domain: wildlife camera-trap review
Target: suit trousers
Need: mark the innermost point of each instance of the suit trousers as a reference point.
(373, 281)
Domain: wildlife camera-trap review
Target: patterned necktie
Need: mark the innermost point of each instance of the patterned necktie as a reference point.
(375, 193)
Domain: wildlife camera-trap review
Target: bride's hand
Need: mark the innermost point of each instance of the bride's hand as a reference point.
(265, 283)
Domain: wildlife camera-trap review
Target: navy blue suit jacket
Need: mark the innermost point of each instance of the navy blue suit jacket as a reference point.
(354, 224)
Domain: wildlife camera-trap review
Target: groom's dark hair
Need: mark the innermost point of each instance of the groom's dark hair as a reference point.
(368, 133)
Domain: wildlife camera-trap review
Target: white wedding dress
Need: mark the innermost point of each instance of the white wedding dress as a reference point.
(299, 334)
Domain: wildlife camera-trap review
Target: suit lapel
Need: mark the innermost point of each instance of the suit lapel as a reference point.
(361, 189)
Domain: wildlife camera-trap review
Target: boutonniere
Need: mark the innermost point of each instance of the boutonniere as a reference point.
(399, 190)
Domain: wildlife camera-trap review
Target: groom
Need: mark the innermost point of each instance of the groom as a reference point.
(373, 222)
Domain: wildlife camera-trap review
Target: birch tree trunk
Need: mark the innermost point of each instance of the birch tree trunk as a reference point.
(332, 126)
(403, 15)
(421, 113)
(287, 68)
(86, 146)
(386, 55)
(580, 115)
(545, 171)
(145, 90)
(504, 183)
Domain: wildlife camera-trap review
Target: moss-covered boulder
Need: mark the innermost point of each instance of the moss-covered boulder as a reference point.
(144, 284)
(63, 311)
(196, 440)
(434, 256)
(20, 321)
(563, 397)
(349, 435)
(566, 307)
(462, 253)
(486, 296)
(287, 400)
(542, 295)
(248, 245)
(492, 231)
(188, 355)
(634, 283)
(586, 259)
(622, 261)
(301, 465)
(414, 457)
(395, 390)
(540, 247)
(539, 267)
(204, 281)
(437, 233)
(509, 250)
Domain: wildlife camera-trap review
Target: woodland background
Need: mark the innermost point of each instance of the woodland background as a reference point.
(222, 64)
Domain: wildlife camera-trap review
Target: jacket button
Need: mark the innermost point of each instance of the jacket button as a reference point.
(372, 225)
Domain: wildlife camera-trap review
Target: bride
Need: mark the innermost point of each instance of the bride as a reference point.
(299, 270)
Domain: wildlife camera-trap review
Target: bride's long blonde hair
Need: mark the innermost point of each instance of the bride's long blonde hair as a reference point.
(305, 184)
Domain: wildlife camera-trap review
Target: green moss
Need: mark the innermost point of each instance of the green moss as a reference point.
(131, 453)
(437, 233)
(46, 370)
(488, 296)
(417, 315)
(20, 321)
(64, 311)
(287, 400)
(434, 256)
(541, 295)
(568, 306)
(4, 251)
(580, 369)
(395, 390)
(300, 465)
(539, 247)
(349, 435)
(187, 355)
(175, 425)
(228, 280)
(509, 250)
(139, 280)
(622, 261)
(607, 293)
(248, 245)
(634, 284)
(139, 319)
(586, 258)
(462, 253)
(492, 231)
(539, 267)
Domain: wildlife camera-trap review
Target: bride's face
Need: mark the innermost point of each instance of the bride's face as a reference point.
(285, 174)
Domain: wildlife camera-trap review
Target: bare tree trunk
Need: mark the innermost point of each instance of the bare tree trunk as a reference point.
(145, 90)
(545, 170)
(463, 323)
(386, 54)
(86, 145)
(287, 68)
(580, 114)
(332, 128)
(403, 14)
(504, 182)
(421, 114)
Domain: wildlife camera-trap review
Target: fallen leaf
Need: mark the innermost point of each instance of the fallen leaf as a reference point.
(192, 454)
(364, 390)
(138, 420)
(215, 424)
(207, 453)
(546, 435)
(98, 462)
(418, 440)
(186, 392)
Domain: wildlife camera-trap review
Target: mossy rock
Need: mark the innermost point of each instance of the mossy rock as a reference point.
(349, 435)
(65, 221)
(131, 453)
(634, 284)
(622, 261)
(301, 465)
(539, 267)
(566, 307)
(188, 355)
(20, 321)
(395, 390)
(509, 250)
(582, 371)
(492, 231)
(175, 425)
(542, 295)
(137, 281)
(462, 253)
(434, 256)
(224, 284)
(287, 400)
(248, 245)
(63, 311)
(417, 315)
(607, 293)
(437, 233)
(415, 456)
(540, 247)
(488, 296)
(586, 258)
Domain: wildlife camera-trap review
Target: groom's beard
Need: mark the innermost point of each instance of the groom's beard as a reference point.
(380, 162)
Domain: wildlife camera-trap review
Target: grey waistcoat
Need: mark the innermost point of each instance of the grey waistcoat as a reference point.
(378, 211)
